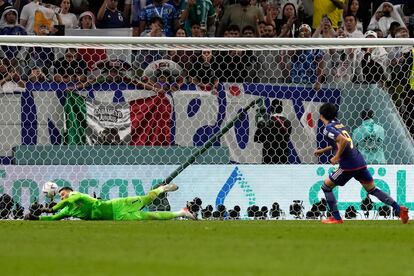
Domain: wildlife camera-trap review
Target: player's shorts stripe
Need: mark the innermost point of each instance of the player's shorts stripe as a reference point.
(337, 174)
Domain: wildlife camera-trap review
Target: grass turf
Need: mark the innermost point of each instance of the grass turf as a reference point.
(206, 248)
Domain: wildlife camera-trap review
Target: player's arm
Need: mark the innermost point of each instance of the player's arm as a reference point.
(341, 142)
(319, 152)
(61, 215)
(63, 203)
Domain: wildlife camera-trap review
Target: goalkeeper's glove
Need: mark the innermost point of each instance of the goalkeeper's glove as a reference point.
(30, 216)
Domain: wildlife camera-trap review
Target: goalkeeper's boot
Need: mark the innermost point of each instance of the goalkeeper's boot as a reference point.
(170, 187)
(187, 214)
(332, 220)
(404, 214)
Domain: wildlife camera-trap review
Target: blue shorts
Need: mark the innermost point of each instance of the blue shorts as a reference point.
(341, 177)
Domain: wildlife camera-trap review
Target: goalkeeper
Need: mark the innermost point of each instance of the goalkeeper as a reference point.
(78, 205)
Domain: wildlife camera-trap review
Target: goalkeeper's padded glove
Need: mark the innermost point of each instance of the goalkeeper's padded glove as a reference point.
(30, 216)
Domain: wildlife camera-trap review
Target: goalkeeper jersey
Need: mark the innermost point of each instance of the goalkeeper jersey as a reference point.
(82, 206)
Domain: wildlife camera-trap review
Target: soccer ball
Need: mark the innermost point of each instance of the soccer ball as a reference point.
(50, 189)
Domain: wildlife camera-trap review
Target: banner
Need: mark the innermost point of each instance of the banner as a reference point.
(188, 117)
(243, 185)
(140, 122)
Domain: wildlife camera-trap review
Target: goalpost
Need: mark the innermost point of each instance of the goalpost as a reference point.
(115, 116)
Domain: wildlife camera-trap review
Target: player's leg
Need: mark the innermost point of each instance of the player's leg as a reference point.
(366, 180)
(141, 201)
(327, 188)
(142, 215)
(336, 178)
(183, 213)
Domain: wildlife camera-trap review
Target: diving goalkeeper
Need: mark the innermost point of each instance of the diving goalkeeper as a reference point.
(78, 205)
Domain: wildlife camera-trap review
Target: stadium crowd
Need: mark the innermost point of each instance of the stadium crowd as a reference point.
(389, 67)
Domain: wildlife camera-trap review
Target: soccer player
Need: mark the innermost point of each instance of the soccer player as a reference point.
(78, 205)
(351, 164)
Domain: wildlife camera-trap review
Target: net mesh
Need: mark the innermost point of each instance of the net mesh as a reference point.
(158, 103)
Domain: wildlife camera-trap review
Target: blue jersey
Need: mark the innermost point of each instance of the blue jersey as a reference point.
(351, 159)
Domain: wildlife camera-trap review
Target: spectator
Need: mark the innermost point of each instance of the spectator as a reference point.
(87, 21)
(393, 27)
(269, 63)
(331, 8)
(274, 134)
(180, 33)
(351, 30)
(249, 31)
(160, 9)
(132, 10)
(384, 16)
(10, 80)
(271, 14)
(34, 16)
(70, 68)
(202, 72)
(366, 10)
(241, 14)
(109, 16)
(307, 64)
(401, 60)
(9, 26)
(41, 57)
(68, 19)
(197, 31)
(4, 5)
(298, 4)
(219, 9)
(369, 139)
(199, 12)
(260, 29)
(181, 57)
(374, 62)
(156, 28)
(113, 71)
(352, 7)
(36, 75)
(89, 55)
(290, 21)
(234, 66)
(379, 33)
(325, 29)
(402, 84)
(269, 31)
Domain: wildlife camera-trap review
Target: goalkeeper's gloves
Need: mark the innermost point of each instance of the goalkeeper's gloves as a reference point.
(30, 216)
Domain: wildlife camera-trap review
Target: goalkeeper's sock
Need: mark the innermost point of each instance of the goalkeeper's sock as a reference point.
(331, 200)
(385, 198)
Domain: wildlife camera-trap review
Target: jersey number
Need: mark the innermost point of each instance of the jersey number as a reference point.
(348, 138)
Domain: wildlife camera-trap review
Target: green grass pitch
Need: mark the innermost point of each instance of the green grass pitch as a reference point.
(206, 248)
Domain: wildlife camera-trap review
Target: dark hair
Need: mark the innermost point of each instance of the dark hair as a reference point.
(66, 188)
(157, 19)
(233, 28)
(283, 11)
(367, 114)
(249, 28)
(349, 14)
(328, 111)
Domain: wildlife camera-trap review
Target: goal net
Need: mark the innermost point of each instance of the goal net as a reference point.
(114, 117)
